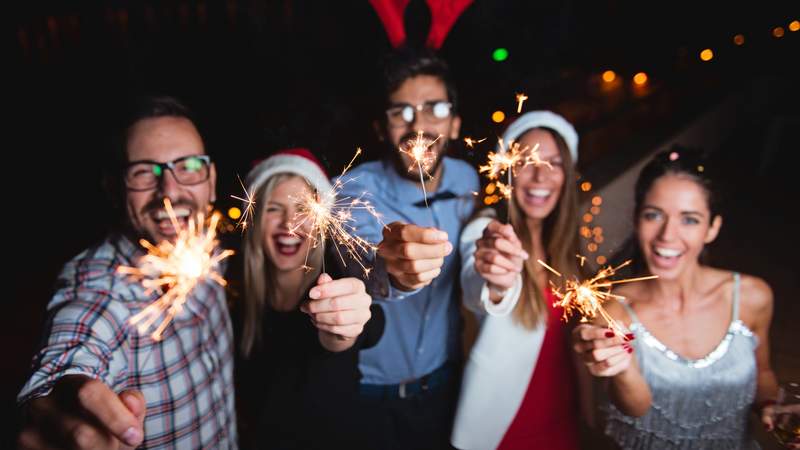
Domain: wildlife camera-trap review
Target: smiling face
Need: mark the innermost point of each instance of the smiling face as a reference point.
(284, 250)
(421, 90)
(166, 139)
(674, 224)
(537, 189)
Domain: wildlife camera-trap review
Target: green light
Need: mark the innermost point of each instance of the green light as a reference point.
(193, 164)
(157, 170)
(500, 54)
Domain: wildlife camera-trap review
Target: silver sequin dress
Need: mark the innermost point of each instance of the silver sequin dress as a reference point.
(697, 404)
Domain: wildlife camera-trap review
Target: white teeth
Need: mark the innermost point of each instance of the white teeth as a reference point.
(161, 214)
(288, 240)
(667, 252)
(539, 192)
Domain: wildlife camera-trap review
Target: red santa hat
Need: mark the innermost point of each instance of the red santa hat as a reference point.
(297, 161)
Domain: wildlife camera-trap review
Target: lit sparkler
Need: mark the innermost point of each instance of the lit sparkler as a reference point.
(175, 269)
(249, 206)
(586, 297)
(507, 161)
(471, 142)
(520, 100)
(325, 215)
(419, 149)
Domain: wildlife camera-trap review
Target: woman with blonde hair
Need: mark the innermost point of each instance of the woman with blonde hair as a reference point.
(519, 388)
(302, 328)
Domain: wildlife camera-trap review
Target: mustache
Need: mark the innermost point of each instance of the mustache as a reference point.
(158, 203)
(412, 135)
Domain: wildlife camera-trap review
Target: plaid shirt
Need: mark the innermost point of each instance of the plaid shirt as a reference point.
(186, 378)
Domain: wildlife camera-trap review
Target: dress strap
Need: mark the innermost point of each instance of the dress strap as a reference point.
(634, 318)
(736, 284)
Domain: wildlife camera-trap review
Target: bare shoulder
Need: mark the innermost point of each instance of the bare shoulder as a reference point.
(755, 296)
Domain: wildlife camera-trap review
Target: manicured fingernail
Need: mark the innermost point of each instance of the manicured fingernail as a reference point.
(630, 336)
(629, 349)
(314, 293)
(442, 236)
(609, 333)
(448, 247)
(132, 436)
(769, 427)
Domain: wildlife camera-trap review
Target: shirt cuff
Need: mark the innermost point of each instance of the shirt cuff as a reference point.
(507, 303)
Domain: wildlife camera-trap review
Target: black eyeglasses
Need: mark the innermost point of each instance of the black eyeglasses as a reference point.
(434, 111)
(188, 170)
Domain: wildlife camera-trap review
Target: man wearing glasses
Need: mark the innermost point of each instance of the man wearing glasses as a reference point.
(97, 382)
(410, 378)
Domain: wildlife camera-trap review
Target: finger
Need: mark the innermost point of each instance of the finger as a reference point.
(498, 259)
(417, 280)
(485, 268)
(415, 250)
(342, 303)
(416, 265)
(102, 403)
(342, 318)
(135, 402)
(601, 354)
(324, 278)
(337, 288)
(766, 418)
(510, 247)
(60, 425)
(592, 332)
(423, 235)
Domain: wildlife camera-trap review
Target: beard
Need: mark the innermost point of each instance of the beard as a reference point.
(439, 149)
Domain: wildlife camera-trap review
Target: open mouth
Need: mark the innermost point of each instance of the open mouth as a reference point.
(666, 257)
(165, 226)
(287, 244)
(537, 197)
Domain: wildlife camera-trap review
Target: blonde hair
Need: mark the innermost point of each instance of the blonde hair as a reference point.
(259, 276)
(559, 237)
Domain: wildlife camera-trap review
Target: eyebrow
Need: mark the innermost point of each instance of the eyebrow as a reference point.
(684, 213)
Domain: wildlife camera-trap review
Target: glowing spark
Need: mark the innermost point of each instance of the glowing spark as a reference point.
(175, 269)
(324, 215)
(419, 149)
(586, 297)
(471, 142)
(581, 258)
(249, 206)
(507, 161)
(520, 100)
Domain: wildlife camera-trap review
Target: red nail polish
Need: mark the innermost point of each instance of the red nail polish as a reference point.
(609, 333)
(630, 336)
(630, 349)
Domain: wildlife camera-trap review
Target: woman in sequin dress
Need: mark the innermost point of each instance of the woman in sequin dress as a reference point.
(700, 334)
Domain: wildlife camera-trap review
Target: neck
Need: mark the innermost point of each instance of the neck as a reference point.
(289, 286)
(677, 294)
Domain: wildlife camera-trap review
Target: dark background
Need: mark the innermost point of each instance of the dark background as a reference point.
(266, 74)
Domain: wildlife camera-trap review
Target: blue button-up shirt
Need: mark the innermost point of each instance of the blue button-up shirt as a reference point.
(421, 330)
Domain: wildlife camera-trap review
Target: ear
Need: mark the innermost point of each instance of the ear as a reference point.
(713, 230)
(212, 180)
(378, 128)
(455, 128)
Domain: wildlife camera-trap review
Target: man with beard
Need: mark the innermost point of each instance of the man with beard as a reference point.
(97, 382)
(410, 378)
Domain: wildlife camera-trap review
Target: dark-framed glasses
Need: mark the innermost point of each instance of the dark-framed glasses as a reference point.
(188, 170)
(403, 114)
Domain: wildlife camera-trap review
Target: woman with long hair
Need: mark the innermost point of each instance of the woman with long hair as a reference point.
(701, 342)
(301, 328)
(519, 388)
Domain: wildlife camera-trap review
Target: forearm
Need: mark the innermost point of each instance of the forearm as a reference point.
(767, 386)
(629, 392)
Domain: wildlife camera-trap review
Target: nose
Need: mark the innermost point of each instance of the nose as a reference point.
(168, 185)
(538, 173)
(668, 230)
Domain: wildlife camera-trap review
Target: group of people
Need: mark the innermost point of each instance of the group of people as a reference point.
(340, 359)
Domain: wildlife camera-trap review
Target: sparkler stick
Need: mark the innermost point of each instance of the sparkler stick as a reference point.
(325, 215)
(249, 206)
(471, 141)
(586, 297)
(175, 269)
(421, 156)
(520, 100)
